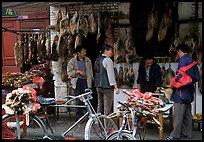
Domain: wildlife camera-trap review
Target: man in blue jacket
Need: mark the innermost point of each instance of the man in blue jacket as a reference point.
(183, 97)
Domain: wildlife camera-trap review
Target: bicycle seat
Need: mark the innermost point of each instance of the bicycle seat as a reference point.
(45, 101)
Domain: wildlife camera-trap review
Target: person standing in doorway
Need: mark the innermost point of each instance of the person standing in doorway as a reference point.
(105, 82)
(149, 75)
(183, 96)
(80, 71)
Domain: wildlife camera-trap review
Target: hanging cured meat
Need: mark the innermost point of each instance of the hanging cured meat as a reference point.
(70, 46)
(120, 76)
(100, 26)
(130, 50)
(65, 25)
(169, 74)
(34, 49)
(173, 46)
(64, 75)
(130, 78)
(18, 53)
(44, 48)
(58, 19)
(125, 71)
(42, 56)
(79, 39)
(29, 49)
(119, 52)
(165, 23)
(93, 23)
(152, 23)
(25, 49)
(54, 55)
(83, 25)
(107, 27)
(60, 45)
(73, 23)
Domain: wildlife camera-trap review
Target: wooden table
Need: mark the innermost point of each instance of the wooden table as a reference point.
(161, 112)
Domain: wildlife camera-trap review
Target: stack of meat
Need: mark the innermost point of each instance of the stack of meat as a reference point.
(145, 101)
(20, 79)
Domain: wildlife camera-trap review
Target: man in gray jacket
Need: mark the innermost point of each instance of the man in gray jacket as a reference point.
(80, 71)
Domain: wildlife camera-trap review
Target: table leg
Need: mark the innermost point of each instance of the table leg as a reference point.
(171, 119)
(161, 130)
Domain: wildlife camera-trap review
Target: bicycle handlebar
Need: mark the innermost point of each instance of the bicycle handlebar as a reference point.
(81, 95)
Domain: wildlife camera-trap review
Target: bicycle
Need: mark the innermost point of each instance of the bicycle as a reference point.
(97, 127)
(134, 123)
(20, 122)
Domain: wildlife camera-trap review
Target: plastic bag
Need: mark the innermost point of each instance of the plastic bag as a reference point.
(39, 81)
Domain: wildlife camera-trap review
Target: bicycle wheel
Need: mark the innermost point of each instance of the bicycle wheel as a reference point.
(121, 135)
(35, 130)
(99, 129)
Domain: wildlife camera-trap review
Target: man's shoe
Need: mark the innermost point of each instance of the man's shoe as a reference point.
(171, 138)
(185, 137)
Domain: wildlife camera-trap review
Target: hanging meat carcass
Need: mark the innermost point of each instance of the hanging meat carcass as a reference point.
(125, 71)
(100, 26)
(130, 77)
(54, 55)
(25, 48)
(80, 38)
(174, 44)
(65, 25)
(44, 48)
(70, 46)
(169, 74)
(18, 53)
(93, 23)
(73, 23)
(108, 28)
(83, 25)
(29, 49)
(34, 50)
(152, 23)
(130, 50)
(42, 56)
(64, 75)
(119, 51)
(58, 19)
(165, 23)
(120, 76)
(60, 45)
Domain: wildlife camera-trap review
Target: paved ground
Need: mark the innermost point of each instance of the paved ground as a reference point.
(65, 120)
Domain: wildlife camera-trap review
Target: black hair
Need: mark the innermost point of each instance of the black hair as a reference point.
(106, 47)
(183, 47)
(148, 57)
(79, 48)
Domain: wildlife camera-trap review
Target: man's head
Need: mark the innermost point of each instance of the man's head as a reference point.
(149, 60)
(81, 51)
(182, 49)
(107, 50)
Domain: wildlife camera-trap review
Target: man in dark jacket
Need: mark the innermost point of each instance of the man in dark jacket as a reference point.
(149, 75)
(183, 96)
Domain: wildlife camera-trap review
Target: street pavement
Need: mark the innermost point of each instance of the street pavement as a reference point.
(65, 120)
